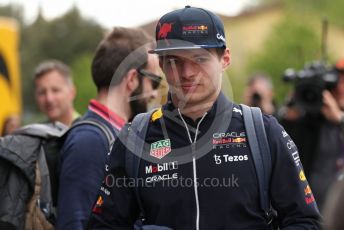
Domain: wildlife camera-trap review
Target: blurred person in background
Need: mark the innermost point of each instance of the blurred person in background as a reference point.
(123, 91)
(29, 157)
(12, 123)
(334, 205)
(259, 93)
(55, 91)
(319, 136)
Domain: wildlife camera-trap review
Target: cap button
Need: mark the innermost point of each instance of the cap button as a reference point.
(187, 6)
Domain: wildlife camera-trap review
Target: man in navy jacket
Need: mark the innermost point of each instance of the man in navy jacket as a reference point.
(85, 149)
(196, 170)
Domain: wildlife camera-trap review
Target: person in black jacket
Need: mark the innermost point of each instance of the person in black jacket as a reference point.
(320, 136)
(259, 92)
(196, 170)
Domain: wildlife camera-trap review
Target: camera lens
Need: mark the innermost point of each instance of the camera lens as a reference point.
(256, 99)
(309, 95)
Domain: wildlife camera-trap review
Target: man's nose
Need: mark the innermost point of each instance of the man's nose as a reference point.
(188, 69)
(154, 94)
(49, 96)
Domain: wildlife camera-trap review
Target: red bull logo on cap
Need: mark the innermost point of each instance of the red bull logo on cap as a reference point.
(164, 29)
(195, 30)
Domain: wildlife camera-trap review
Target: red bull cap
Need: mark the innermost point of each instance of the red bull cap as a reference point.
(189, 28)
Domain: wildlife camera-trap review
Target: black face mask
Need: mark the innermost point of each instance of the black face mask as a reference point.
(137, 105)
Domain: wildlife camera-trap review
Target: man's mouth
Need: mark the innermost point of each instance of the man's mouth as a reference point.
(49, 108)
(189, 87)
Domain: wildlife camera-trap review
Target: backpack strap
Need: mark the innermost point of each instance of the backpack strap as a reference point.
(261, 155)
(35, 217)
(45, 198)
(103, 127)
(135, 143)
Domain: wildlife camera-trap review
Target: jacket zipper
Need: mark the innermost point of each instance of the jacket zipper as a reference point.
(193, 146)
(194, 165)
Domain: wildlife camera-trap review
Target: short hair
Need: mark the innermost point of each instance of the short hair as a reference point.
(220, 51)
(53, 65)
(113, 49)
(260, 77)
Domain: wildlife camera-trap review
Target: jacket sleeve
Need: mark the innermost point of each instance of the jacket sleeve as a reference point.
(116, 206)
(81, 171)
(15, 194)
(290, 192)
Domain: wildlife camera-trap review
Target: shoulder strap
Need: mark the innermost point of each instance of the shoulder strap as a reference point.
(104, 128)
(45, 193)
(135, 143)
(264, 148)
(261, 155)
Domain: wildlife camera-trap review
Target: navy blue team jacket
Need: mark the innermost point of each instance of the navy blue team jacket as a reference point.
(209, 184)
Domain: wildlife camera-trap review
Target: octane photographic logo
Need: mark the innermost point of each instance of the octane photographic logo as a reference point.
(166, 151)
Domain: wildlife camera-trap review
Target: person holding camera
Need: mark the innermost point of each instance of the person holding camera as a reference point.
(314, 118)
(259, 93)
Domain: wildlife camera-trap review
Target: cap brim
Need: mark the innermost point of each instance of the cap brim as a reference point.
(192, 47)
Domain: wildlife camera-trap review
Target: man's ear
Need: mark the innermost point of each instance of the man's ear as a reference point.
(73, 92)
(226, 59)
(131, 80)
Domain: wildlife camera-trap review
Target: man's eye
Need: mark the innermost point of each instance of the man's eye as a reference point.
(201, 59)
(40, 91)
(56, 90)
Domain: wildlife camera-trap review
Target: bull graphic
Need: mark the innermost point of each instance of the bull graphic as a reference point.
(308, 190)
(164, 29)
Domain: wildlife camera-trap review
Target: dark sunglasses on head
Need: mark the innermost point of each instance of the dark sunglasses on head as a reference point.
(156, 79)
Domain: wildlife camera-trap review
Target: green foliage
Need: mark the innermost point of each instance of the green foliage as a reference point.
(13, 11)
(83, 82)
(66, 38)
(70, 35)
(333, 10)
(292, 43)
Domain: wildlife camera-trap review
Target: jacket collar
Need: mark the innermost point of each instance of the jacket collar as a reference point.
(108, 115)
(221, 106)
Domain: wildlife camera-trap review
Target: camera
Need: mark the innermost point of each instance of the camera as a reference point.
(256, 99)
(310, 83)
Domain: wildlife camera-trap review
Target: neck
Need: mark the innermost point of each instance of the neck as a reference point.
(67, 118)
(196, 110)
(116, 101)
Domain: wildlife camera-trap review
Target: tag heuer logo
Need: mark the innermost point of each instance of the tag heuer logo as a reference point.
(161, 148)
